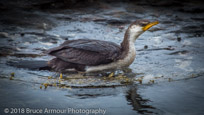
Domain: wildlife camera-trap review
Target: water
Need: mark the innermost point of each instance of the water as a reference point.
(165, 78)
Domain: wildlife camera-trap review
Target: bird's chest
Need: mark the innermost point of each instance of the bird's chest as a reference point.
(130, 56)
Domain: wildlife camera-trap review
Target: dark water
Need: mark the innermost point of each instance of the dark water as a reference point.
(165, 78)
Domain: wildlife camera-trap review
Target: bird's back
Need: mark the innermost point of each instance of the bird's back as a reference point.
(86, 52)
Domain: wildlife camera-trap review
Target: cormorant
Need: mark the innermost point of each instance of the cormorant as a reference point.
(88, 55)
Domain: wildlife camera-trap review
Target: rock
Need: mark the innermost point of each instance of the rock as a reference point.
(4, 35)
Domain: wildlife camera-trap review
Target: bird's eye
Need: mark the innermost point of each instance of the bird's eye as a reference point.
(143, 24)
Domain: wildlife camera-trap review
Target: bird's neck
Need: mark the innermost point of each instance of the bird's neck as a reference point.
(128, 43)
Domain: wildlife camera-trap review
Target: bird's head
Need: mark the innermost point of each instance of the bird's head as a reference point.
(138, 27)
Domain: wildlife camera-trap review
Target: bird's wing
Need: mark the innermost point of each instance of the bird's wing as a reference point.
(86, 51)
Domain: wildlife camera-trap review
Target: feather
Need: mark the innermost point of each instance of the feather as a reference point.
(86, 52)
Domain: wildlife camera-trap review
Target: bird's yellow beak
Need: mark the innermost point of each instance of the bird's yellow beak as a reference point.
(150, 25)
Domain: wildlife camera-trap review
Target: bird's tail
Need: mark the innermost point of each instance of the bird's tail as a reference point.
(30, 64)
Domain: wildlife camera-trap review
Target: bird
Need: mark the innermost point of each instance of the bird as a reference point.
(89, 55)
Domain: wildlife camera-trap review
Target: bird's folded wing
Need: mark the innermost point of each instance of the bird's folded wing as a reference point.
(86, 51)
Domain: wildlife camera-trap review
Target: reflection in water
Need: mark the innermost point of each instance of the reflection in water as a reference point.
(134, 99)
(90, 93)
(138, 103)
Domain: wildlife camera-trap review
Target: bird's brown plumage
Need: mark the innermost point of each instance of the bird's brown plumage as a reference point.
(84, 52)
